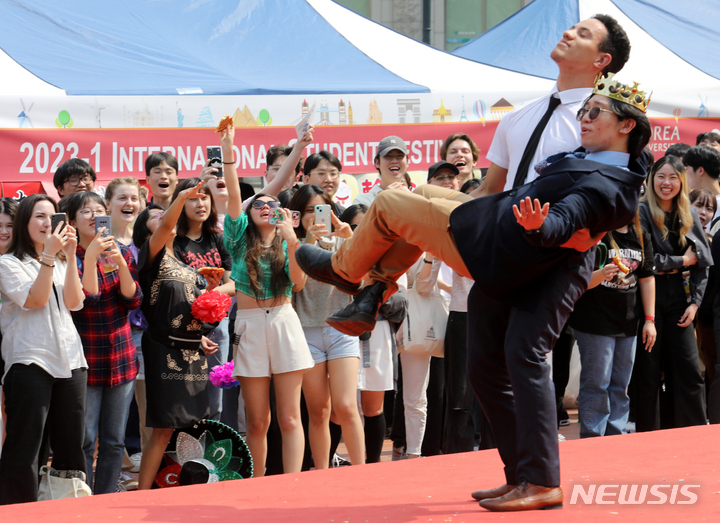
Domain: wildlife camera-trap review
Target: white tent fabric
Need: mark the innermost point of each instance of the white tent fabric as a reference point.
(417, 62)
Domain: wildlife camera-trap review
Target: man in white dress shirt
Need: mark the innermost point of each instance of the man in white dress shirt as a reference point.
(591, 46)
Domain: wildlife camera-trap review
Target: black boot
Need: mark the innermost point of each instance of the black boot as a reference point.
(315, 262)
(361, 314)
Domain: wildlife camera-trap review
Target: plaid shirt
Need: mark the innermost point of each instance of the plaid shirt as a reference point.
(104, 327)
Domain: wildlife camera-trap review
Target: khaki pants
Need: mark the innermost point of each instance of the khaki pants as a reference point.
(398, 228)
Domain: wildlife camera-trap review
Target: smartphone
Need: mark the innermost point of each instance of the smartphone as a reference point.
(214, 154)
(103, 221)
(275, 217)
(56, 219)
(323, 216)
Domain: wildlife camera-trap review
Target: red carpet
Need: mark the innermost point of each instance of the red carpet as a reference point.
(434, 489)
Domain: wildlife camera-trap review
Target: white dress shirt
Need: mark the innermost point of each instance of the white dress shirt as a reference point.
(44, 336)
(562, 132)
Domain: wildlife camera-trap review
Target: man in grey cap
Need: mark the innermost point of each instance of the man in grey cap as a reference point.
(391, 161)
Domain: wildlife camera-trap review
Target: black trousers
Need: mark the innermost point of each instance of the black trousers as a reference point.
(676, 353)
(35, 400)
(459, 429)
(510, 375)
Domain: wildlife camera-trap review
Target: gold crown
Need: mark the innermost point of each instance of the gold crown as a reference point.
(606, 86)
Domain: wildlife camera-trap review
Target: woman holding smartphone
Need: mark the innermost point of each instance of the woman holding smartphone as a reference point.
(104, 329)
(45, 368)
(330, 387)
(269, 337)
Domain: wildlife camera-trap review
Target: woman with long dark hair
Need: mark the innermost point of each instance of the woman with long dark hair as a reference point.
(46, 372)
(678, 241)
(330, 387)
(175, 344)
(199, 243)
(269, 340)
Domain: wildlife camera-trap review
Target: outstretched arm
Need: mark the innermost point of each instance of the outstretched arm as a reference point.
(287, 170)
(555, 226)
(165, 229)
(494, 181)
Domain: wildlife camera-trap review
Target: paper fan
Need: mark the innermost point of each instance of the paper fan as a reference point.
(207, 452)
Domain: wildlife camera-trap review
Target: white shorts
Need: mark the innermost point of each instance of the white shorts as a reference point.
(379, 375)
(271, 341)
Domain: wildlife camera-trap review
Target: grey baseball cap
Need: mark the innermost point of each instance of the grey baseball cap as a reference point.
(390, 143)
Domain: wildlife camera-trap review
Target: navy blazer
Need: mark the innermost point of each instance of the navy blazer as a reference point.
(506, 262)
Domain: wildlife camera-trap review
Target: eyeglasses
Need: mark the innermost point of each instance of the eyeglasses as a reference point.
(156, 215)
(592, 114)
(331, 174)
(87, 213)
(442, 177)
(75, 180)
(259, 204)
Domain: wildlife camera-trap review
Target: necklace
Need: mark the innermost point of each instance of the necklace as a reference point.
(199, 240)
(266, 246)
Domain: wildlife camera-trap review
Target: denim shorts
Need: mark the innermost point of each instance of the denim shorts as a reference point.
(327, 343)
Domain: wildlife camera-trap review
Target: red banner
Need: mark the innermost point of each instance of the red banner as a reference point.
(35, 154)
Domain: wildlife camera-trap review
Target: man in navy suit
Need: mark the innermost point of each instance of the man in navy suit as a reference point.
(515, 246)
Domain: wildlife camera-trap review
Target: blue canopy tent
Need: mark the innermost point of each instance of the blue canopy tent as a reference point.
(672, 46)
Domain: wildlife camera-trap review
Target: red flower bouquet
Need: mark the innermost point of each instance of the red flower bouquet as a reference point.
(211, 307)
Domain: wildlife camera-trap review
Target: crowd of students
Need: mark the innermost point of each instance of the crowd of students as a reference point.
(90, 321)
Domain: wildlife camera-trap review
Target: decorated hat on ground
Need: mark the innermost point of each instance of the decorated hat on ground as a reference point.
(207, 452)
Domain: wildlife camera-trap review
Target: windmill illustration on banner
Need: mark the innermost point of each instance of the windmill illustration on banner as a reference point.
(702, 111)
(24, 116)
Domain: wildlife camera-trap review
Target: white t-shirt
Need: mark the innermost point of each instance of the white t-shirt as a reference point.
(45, 336)
(369, 197)
(562, 132)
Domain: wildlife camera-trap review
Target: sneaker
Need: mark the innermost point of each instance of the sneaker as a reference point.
(561, 437)
(339, 461)
(135, 459)
(630, 427)
(127, 482)
(398, 453)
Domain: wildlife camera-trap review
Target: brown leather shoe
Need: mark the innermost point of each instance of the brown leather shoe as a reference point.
(492, 493)
(526, 496)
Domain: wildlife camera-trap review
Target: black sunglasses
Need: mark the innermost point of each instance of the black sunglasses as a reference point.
(259, 204)
(592, 114)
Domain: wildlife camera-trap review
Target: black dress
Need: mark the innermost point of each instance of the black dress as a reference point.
(176, 371)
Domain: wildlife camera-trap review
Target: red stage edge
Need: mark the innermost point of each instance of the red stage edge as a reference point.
(680, 467)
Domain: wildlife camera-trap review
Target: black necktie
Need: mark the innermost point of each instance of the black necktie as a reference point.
(522, 170)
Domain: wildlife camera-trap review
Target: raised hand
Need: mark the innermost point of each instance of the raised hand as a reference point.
(530, 214)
